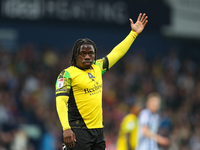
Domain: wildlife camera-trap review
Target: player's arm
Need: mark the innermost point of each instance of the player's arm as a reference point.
(160, 139)
(130, 126)
(62, 110)
(144, 119)
(120, 50)
(63, 86)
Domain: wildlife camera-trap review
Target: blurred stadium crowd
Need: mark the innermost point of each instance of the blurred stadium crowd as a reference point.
(28, 117)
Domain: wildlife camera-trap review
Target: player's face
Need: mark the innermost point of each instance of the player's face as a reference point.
(138, 109)
(86, 56)
(154, 104)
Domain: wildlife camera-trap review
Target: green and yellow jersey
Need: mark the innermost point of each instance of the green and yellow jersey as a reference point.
(79, 92)
(84, 89)
(127, 137)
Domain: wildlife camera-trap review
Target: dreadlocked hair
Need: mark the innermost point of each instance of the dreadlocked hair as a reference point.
(76, 49)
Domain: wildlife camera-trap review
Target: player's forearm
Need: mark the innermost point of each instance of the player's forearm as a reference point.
(62, 110)
(151, 135)
(120, 50)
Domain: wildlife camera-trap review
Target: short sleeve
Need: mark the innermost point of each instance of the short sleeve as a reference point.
(130, 126)
(63, 84)
(144, 118)
(103, 64)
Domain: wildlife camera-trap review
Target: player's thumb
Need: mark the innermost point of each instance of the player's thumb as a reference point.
(131, 21)
(74, 138)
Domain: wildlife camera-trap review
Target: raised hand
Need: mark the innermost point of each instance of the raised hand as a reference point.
(140, 23)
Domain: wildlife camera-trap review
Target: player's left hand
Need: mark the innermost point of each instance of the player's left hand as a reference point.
(140, 23)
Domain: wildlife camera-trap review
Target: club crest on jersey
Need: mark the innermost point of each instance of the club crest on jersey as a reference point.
(60, 83)
(90, 76)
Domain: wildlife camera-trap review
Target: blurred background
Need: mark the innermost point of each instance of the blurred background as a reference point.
(36, 39)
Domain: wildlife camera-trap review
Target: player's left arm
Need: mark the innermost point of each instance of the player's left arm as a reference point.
(158, 138)
(120, 50)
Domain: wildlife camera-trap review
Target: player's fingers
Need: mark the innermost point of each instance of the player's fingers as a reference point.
(144, 21)
(73, 144)
(68, 142)
(143, 17)
(139, 17)
(65, 141)
(74, 140)
(69, 145)
(71, 141)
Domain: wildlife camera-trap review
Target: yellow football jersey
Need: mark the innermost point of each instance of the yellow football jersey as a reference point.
(128, 127)
(79, 92)
(84, 88)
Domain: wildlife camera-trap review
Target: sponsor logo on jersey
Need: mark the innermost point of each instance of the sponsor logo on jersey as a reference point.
(93, 89)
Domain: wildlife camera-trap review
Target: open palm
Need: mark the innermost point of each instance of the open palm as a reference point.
(140, 23)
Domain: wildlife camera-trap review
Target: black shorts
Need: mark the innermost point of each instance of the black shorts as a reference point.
(88, 139)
